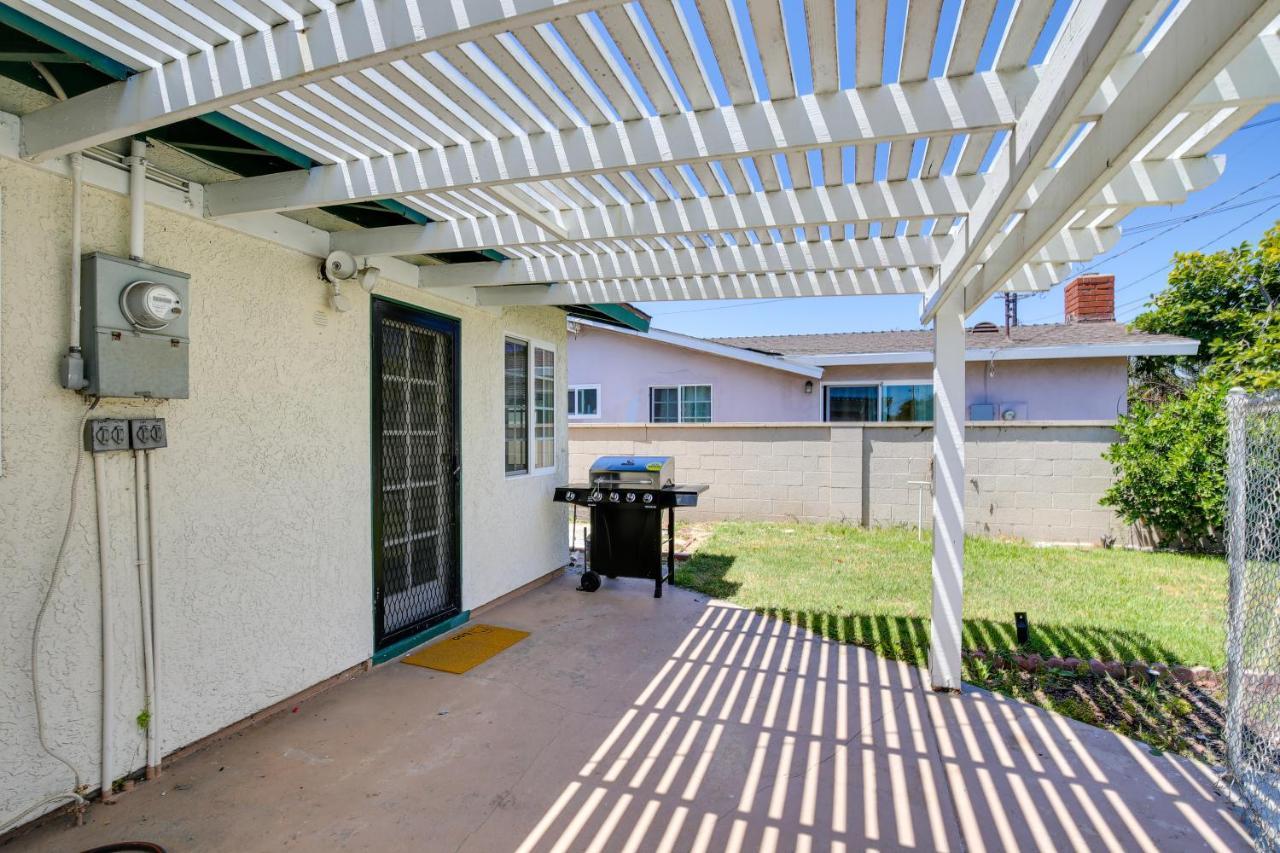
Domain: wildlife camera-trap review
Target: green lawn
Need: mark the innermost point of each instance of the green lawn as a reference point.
(871, 587)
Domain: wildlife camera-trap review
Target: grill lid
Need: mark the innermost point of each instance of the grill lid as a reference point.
(624, 464)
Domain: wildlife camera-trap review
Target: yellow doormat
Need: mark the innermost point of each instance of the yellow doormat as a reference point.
(468, 648)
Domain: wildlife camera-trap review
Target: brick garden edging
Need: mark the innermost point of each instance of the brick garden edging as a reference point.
(1199, 675)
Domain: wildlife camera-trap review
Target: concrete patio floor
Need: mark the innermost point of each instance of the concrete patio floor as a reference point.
(635, 724)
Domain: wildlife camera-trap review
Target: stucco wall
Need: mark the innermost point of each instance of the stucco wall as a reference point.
(626, 366)
(1039, 482)
(265, 488)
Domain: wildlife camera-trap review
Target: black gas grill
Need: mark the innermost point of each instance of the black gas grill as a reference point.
(626, 496)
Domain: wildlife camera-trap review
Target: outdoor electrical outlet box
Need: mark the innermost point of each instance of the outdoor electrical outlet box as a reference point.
(134, 328)
(105, 435)
(147, 434)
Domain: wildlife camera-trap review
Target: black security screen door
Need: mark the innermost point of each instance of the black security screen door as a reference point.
(417, 581)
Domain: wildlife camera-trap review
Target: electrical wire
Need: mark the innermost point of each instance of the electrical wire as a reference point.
(72, 508)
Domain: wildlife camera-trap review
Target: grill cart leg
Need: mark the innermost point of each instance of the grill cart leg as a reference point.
(671, 546)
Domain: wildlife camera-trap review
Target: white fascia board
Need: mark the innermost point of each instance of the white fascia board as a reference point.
(1065, 351)
(344, 39)
(712, 348)
(272, 227)
(985, 101)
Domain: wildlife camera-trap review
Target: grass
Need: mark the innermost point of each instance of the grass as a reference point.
(872, 588)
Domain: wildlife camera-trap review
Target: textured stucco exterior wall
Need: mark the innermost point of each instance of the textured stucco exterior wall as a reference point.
(266, 575)
(626, 366)
(1040, 482)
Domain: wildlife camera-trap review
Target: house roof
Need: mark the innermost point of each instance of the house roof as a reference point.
(711, 347)
(1051, 340)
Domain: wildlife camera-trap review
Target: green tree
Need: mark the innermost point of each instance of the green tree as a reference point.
(1171, 467)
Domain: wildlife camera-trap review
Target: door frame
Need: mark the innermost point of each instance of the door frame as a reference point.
(384, 308)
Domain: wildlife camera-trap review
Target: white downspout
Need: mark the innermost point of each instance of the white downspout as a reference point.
(140, 496)
(137, 162)
(154, 756)
(108, 646)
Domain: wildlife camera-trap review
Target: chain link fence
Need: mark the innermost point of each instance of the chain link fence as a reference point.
(1253, 624)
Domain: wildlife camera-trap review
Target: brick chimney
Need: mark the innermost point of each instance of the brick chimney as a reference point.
(1091, 299)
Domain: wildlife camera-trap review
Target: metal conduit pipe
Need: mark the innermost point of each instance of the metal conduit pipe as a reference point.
(108, 645)
(153, 731)
(142, 546)
(137, 161)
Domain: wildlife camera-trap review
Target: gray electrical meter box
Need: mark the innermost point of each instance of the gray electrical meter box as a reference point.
(134, 328)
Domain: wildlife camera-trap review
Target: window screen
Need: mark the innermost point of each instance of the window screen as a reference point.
(516, 405)
(584, 402)
(695, 404)
(664, 405)
(858, 403)
(544, 408)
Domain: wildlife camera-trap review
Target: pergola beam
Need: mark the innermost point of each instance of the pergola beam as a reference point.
(1202, 40)
(1093, 39)
(1139, 184)
(977, 102)
(344, 40)
(817, 255)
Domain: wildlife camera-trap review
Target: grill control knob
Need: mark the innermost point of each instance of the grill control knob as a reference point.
(570, 495)
(613, 497)
(631, 497)
(648, 497)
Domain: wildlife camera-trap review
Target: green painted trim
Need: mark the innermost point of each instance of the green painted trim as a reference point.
(47, 34)
(396, 649)
(622, 314)
(256, 138)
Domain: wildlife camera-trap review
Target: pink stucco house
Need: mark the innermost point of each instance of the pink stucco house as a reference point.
(1076, 370)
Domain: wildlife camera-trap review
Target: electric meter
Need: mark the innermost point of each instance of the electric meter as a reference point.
(150, 305)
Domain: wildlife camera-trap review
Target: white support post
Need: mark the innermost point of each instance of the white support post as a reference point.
(948, 493)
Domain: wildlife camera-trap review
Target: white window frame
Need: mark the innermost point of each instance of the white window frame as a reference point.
(531, 469)
(680, 402)
(574, 389)
(867, 383)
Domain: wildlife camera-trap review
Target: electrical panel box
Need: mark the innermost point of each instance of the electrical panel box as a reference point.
(134, 328)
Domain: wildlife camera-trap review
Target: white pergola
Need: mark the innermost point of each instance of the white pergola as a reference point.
(671, 149)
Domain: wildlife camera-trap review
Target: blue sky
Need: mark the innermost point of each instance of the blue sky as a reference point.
(1139, 261)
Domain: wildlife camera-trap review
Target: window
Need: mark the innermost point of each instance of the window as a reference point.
(544, 408)
(529, 407)
(584, 401)
(688, 404)
(879, 402)
(516, 405)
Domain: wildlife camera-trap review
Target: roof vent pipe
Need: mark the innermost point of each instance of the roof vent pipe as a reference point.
(137, 162)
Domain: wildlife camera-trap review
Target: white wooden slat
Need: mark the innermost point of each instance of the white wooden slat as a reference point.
(771, 39)
(1022, 33)
(798, 168)
(864, 164)
(341, 100)
(917, 48)
(899, 160)
(1237, 120)
(935, 153)
(550, 104)
(651, 184)
(518, 108)
(720, 22)
(468, 104)
(388, 95)
(832, 167)
(163, 28)
(459, 125)
(669, 25)
(601, 66)
(975, 148)
(564, 78)
(869, 52)
(824, 60)
(708, 179)
(975, 20)
(107, 34)
(737, 177)
(624, 28)
(768, 174)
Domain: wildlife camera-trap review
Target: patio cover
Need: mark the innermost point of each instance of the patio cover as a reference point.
(671, 149)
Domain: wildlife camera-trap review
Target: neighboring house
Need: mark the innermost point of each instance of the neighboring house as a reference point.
(1076, 370)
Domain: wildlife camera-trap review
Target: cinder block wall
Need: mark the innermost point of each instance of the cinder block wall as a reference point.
(1039, 481)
